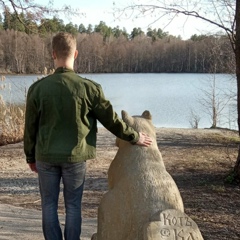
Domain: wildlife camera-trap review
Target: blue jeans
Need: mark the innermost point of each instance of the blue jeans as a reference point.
(73, 176)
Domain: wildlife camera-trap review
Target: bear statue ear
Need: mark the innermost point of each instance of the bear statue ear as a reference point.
(126, 118)
(146, 114)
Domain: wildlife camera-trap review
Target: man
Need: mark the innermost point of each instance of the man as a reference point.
(60, 135)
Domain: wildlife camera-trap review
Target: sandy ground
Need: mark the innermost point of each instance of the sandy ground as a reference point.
(199, 161)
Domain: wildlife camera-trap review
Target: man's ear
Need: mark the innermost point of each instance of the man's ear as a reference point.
(54, 56)
(75, 54)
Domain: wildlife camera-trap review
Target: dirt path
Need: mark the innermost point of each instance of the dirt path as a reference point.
(197, 159)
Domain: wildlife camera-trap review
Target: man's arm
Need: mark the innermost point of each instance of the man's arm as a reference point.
(104, 112)
(30, 130)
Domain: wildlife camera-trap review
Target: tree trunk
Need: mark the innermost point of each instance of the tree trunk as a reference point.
(237, 54)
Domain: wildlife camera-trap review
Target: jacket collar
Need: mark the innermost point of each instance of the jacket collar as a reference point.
(63, 69)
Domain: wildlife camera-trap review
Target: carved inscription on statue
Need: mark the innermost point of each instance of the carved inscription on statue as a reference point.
(178, 233)
(172, 225)
(169, 220)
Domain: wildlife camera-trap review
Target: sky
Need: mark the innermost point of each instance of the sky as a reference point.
(102, 10)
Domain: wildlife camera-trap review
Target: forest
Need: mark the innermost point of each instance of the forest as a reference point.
(25, 48)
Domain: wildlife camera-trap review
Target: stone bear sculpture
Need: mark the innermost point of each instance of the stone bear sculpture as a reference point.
(139, 187)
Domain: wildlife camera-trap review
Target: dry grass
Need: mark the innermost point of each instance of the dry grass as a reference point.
(11, 118)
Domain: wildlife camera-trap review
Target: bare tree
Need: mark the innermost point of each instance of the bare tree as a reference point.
(223, 14)
(35, 11)
(194, 119)
(214, 101)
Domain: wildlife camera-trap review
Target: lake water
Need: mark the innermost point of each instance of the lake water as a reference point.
(169, 97)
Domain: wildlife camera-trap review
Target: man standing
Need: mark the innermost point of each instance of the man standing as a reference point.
(60, 135)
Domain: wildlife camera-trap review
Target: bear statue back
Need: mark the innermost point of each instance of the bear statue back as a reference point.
(139, 186)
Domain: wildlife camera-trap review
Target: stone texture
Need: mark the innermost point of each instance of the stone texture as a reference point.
(139, 187)
(172, 224)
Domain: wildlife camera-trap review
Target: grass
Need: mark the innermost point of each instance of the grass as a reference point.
(219, 138)
(11, 118)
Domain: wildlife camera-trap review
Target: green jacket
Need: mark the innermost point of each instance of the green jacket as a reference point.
(61, 119)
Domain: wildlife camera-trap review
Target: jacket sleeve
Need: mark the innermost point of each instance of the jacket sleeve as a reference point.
(31, 128)
(106, 115)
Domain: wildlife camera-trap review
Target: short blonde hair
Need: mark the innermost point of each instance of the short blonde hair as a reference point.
(64, 44)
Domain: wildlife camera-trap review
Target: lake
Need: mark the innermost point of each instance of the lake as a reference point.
(169, 97)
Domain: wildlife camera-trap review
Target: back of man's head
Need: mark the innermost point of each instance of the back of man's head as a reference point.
(64, 45)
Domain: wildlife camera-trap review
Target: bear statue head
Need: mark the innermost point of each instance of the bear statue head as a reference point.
(141, 123)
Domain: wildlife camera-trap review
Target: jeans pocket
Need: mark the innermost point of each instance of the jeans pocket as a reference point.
(43, 166)
(74, 168)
